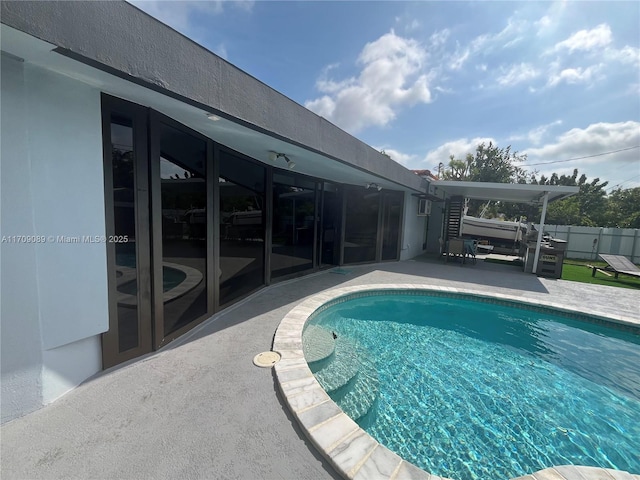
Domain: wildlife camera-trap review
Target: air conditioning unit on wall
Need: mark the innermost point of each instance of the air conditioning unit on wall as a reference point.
(424, 207)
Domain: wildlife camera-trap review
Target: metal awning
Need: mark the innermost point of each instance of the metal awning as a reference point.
(503, 192)
(508, 192)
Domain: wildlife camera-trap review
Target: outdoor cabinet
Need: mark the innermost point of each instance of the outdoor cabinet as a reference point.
(549, 263)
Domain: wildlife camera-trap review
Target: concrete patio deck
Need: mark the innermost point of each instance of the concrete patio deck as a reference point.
(200, 408)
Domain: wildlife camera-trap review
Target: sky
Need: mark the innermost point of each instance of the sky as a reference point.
(559, 82)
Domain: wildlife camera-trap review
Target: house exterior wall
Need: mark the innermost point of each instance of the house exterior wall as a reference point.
(413, 230)
(54, 291)
(434, 231)
(21, 339)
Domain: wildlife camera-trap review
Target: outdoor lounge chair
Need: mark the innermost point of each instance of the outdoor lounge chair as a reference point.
(459, 247)
(618, 264)
(471, 248)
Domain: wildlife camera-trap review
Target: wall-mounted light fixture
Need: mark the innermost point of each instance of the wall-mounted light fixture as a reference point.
(273, 156)
(213, 117)
(374, 185)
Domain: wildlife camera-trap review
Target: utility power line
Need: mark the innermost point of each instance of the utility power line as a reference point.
(581, 158)
(611, 189)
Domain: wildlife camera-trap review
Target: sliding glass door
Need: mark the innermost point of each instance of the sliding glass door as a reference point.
(127, 239)
(181, 219)
(158, 210)
(242, 226)
(294, 224)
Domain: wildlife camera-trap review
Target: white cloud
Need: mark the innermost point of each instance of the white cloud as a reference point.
(586, 40)
(413, 25)
(627, 55)
(517, 74)
(405, 159)
(458, 148)
(391, 78)
(509, 36)
(549, 22)
(440, 37)
(593, 45)
(574, 75)
(459, 58)
(543, 24)
(537, 134)
(597, 138)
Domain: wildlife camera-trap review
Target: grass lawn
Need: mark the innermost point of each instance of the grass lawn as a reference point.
(578, 271)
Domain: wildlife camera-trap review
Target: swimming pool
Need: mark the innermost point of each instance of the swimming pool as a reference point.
(171, 278)
(470, 389)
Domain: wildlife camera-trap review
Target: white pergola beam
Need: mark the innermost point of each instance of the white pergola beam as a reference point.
(543, 217)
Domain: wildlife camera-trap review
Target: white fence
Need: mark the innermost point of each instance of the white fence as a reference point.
(588, 242)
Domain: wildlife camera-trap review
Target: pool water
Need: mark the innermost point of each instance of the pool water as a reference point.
(171, 278)
(473, 390)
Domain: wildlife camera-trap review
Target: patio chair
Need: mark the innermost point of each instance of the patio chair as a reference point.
(471, 248)
(617, 264)
(455, 246)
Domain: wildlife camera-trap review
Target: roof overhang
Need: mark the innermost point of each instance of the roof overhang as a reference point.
(122, 57)
(503, 192)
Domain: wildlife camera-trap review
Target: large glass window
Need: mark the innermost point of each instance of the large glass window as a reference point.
(361, 225)
(329, 241)
(391, 222)
(124, 218)
(242, 227)
(184, 226)
(293, 230)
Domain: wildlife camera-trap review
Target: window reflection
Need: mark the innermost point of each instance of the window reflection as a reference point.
(124, 215)
(391, 219)
(293, 224)
(361, 226)
(242, 227)
(184, 227)
(330, 233)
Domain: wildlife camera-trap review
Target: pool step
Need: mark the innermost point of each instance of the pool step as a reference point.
(342, 369)
(361, 397)
(345, 374)
(318, 345)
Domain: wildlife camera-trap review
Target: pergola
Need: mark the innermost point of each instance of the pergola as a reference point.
(507, 192)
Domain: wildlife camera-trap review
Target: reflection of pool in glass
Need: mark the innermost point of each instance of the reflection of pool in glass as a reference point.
(472, 390)
(171, 278)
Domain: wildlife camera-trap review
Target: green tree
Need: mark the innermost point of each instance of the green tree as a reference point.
(623, 209)
(498, 165)
(458, 169)
(588, 207)
(490, 163)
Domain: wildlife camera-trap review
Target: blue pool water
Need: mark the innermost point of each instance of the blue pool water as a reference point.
(472, 390)
(171, 278)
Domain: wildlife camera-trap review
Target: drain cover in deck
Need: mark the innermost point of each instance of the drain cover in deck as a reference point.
(266, 359)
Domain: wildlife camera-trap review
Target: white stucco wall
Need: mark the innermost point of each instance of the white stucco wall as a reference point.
(65, 149)
(21, 360)
(434, 232)
(54, 294)
(414, 229)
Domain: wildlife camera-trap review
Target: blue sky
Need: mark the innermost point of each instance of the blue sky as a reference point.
(426, 80)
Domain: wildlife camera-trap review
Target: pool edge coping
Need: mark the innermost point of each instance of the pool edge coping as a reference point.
(350, 449)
